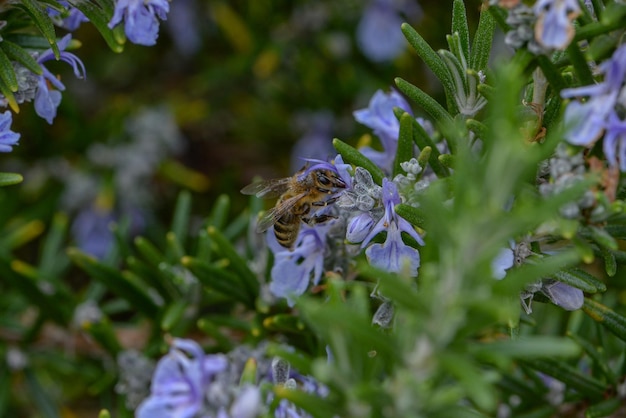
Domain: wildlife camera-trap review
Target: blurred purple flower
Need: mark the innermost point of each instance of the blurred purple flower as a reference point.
(393, 254)
(180, 380)
(564, 295)
(141, 19)
(72, 21)
(615, 141)
(46, 100)
(503, 261)
(91, 231)
(586, 121)
(316, 141)
(184, 26)
(379, 35)
(554, 28)
(380, 118)
(293, 270)
(8, 138)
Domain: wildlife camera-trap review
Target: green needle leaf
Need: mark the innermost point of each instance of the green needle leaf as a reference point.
(352, 156)
(9, 179)
(430, 57)
(613, 321)
(405, 143)
(42, 22)
(125, 286)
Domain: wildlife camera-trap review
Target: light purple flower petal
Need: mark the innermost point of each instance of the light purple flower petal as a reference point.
(46, 101)
(359, 227)
(565, 296)
(393, 255)
(293, 270)
(140, 17)
(8, 138)
(378, 33)
(554, 28)
(503, 261)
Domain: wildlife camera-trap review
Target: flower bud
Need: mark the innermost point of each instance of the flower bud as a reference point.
(359, 227)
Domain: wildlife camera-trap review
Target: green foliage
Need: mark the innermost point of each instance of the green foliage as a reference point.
(459, 342)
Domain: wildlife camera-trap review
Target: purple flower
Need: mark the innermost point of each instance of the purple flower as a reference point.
(564, 295)
(380, 118)
(393, 254)
(503, 261)
(73, 19)
(554, 28)
(8, 138)
(180, 380)
(378, 33)
(92, 233)
(141, 19)
(316, 142)
(586, 121)
(615, 141)
(46, 100)
(293, 270)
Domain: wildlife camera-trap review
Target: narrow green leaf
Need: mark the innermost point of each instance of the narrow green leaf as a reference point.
(352, 156)
(572, 377)
(19, 54)
(219, 279)
(175, 250)
(598, 359)
(430, 57)
(100, 19)
(573, 280)
(104, 414)
(528, 347)
(313, 404)
(473, 381)
(430, 105)
(483, 40)
(405, 143)
(48, 304)
(412, 214)
(213, 330)
(610, 262)
(423, 140)
(8, 179)
(173, 315)
(579, 62)
(589, 278)
(284, 322)
(38, 395)
(459, 25)
(8, 94)
(224, 247)
(219, 212)
(613, 321)
(52, 257)
(7, 73)
(42, 22)
(154, 277)
(182, 212)
(479, 129)
(605, 408)
(124, 285)
(149, 251)
(102, 331)
(601, 237)
(553, 75)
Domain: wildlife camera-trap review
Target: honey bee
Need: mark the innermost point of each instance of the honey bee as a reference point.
(299, 195)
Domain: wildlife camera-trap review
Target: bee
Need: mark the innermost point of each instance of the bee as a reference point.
(300, 194)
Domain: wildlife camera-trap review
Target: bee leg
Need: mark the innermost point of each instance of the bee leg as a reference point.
(325, 202)
(314, 220)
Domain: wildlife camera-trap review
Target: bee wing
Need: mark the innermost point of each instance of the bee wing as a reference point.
(274, 214)
(267, 188)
